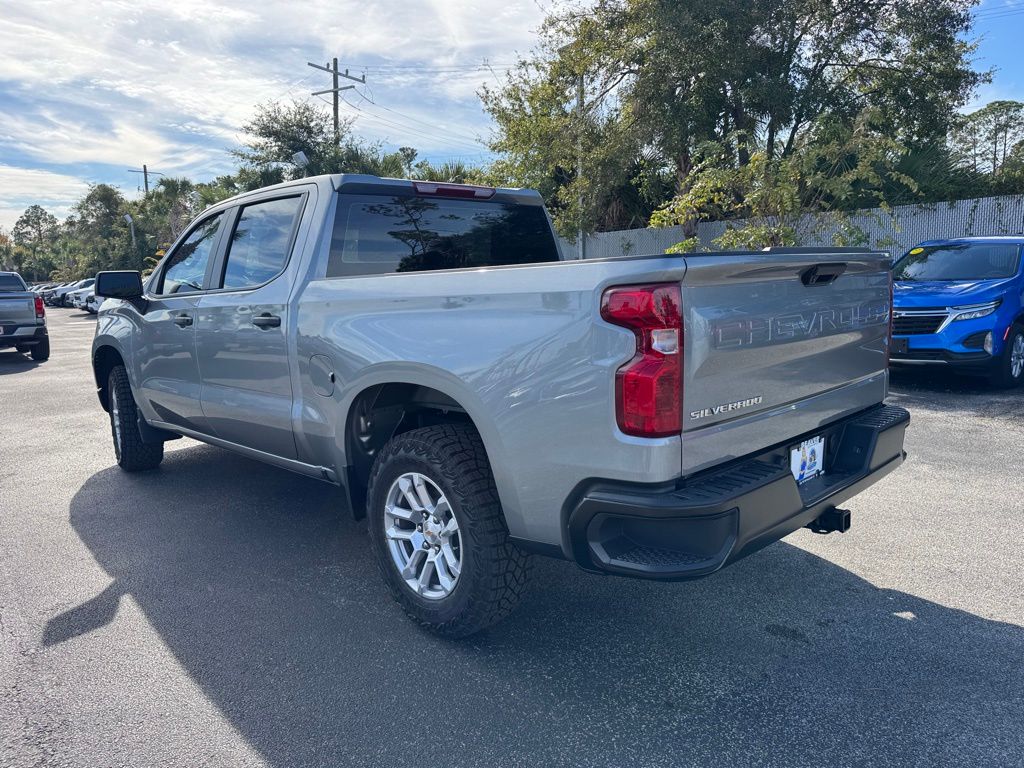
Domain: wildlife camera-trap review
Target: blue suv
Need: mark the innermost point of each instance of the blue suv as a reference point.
(958, 303)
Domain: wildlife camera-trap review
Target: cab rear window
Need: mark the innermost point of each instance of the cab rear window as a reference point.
(378, 234)
(11, 284)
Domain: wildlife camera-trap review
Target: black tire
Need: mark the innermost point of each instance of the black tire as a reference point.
(1003, 373)
(41, 351)
(132, 454)
(494, 572)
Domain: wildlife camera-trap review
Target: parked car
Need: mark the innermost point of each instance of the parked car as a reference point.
(957, 304)
(76, 298)
(422, 345)
(53, 296)
(60, 295)
(81, 297)
(49, 293)
(22, 318)
(92, 303)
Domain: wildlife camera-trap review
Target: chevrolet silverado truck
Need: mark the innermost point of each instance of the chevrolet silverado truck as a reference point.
(482, 400)
(22, 318)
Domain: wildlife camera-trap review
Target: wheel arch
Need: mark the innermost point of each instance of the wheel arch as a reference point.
(381, 410)
(105, 358)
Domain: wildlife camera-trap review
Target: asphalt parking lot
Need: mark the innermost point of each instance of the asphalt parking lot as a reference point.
(220, 612)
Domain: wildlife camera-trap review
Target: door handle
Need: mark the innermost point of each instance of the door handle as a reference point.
(183, 321)
(266, 320)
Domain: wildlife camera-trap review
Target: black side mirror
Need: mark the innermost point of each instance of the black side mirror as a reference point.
(122, 284)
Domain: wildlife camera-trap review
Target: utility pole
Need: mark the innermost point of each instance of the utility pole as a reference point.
(145, 176)
(580, 96)
(335, 89)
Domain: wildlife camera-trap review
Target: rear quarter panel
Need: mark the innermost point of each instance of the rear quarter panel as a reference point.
(523, 350)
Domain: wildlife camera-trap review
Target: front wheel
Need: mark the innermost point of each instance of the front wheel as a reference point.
(133, 455)
(1009, 367)
(438, 534)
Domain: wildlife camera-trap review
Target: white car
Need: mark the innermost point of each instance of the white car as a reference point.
(76, 298)
(92, 303)
(61, 297)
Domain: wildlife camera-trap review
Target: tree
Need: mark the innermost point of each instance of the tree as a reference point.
(35, 231)
(7, 261)
(173, 203)
(771, 196)
(279, 131)
(665, 78)
(985, 139)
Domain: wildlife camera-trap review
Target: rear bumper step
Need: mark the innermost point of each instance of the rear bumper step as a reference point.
(22, 335)
(694, 528)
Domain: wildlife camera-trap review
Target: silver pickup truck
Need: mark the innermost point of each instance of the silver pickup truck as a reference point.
(480, 399)
(22, 318)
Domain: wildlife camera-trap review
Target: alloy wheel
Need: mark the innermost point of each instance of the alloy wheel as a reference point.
(423, 536)
(1017, 356)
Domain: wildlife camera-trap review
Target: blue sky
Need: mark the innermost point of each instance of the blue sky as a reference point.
(90, 90)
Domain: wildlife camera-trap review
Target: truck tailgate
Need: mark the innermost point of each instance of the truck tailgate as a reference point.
(17, 309)
(767, 332)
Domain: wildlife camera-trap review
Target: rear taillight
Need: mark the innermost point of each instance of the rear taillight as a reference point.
(648, 389)
(40, 309)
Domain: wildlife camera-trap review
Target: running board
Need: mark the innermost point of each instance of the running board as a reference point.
(292, 465)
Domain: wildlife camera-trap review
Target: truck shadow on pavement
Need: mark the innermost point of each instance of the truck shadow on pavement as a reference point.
(15, 362)
(266, 593)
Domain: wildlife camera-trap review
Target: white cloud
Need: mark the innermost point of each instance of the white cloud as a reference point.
(117, 83)
(21, 187)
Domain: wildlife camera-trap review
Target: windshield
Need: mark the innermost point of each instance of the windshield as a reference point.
(958, 261)
(11, 284)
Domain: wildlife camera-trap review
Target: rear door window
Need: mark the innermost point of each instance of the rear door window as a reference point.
(261, 242)
(377, 234)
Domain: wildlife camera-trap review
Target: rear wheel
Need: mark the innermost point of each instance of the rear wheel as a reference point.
(438, 533)
(1009, 367)
(133, 455)
(40, 351)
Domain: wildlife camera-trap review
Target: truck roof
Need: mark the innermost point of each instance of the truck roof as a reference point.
(367, 184)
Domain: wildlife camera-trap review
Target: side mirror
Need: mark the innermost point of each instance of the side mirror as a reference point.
(122, 284)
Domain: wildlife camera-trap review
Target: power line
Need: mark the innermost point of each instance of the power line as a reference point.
(418, 132)
(428, 67)
(420, 122)
(998, 12)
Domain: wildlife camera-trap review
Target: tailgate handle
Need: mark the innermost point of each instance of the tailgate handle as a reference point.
(822, 274)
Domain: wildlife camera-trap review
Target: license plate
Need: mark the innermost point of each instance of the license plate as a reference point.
(900, 346)
(807, 460)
